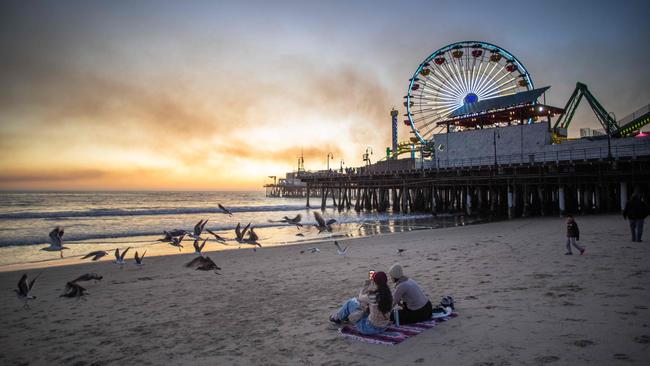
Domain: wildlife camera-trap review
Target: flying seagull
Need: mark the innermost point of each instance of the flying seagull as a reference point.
(310, 250)
(138, 259)
(87, 277)
(292, 221)
(56, 242)
(239, 233)
(203, 264)
(216, 236)
(176, 242)
(199, 248)
(73, 290)
(24, 289)
(96, 255)
(321, 224)
(198, 229)
(169, 235)
(224, 210)
(339, 250)
(119, 258)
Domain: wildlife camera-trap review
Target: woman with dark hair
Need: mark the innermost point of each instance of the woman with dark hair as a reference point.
(370, 311)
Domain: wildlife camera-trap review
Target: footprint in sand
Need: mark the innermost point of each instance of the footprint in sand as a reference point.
(621, 356)
(547, 359)
(583, 343)
(644, 339)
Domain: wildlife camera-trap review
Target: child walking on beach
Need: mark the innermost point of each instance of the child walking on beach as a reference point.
(572, 236)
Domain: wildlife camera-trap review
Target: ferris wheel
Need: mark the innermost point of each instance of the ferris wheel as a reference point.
(458, 74)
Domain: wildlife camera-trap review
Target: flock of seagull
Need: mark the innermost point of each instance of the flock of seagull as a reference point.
(175, 238)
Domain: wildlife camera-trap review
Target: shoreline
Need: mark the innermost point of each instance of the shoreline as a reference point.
(521, 302)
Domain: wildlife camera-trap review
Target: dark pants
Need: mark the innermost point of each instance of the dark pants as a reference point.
(636, 227)
(408, 316)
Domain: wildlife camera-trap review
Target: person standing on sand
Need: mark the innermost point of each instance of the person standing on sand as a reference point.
(635, 212)
(416, 307)
(572, 236)
(370, 311)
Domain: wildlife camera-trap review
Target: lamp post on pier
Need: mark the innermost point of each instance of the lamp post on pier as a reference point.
(609, 136)
(330, 156)
(366, 156)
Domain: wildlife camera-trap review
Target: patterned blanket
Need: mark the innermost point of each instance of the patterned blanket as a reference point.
(393, 334)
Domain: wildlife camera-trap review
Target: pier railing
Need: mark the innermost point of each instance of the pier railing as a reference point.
(592, 153)
(566, 155)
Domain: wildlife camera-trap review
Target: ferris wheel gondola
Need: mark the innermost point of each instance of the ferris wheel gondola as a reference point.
(458, 74)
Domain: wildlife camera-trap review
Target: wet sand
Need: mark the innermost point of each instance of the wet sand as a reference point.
(521, 302)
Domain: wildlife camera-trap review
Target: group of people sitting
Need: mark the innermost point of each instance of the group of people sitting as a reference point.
(372, 310)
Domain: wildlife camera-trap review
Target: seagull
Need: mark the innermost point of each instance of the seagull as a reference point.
(339, 250)
(310, 250)
(295, 221)
(24, 289)
(96, 255)
(321, 224)
(225, 210)
(253, 238)
(203, 264)
(56, 244)
(119, 258)
(239, 234)
(198, 248)
(300, 234)
(169, 235)
(400, 251)
(216, 236)
(176, 242)
(198, 229)
(73, 290)
(138, 259)
(87, 277)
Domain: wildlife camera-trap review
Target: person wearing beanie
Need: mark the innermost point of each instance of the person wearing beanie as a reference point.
(415, 306)
(370, 311)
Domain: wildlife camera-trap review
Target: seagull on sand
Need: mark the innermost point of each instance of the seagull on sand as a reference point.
(119, 258)
(216, 236)
(203, 264)
(300, 234)
(56, 242)
(400, 251)
(321, 224)
(224, 210)
(73, 290)
(96, 255)
(176, 242)
(24, 289)
(198, 229)
(87, 277)
(253, 238)
(310, 250)
(138, 259)
(199, 248)
(339, 250)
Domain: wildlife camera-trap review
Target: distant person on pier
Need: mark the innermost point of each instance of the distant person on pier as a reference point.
(635, 212)
(415, 306)
(572, 236)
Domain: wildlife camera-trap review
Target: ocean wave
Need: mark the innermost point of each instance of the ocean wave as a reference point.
(101, 212)
(71, 237)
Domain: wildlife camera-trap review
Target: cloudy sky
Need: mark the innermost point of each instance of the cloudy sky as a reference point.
(220, 94)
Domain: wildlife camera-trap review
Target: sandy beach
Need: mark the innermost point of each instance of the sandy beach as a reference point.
(521, 302)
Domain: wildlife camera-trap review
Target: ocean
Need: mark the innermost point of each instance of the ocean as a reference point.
(107, 220)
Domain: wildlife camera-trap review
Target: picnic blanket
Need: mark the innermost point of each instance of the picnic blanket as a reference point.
(393, 334)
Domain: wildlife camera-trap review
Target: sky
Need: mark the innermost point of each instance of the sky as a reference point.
(218, 95)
